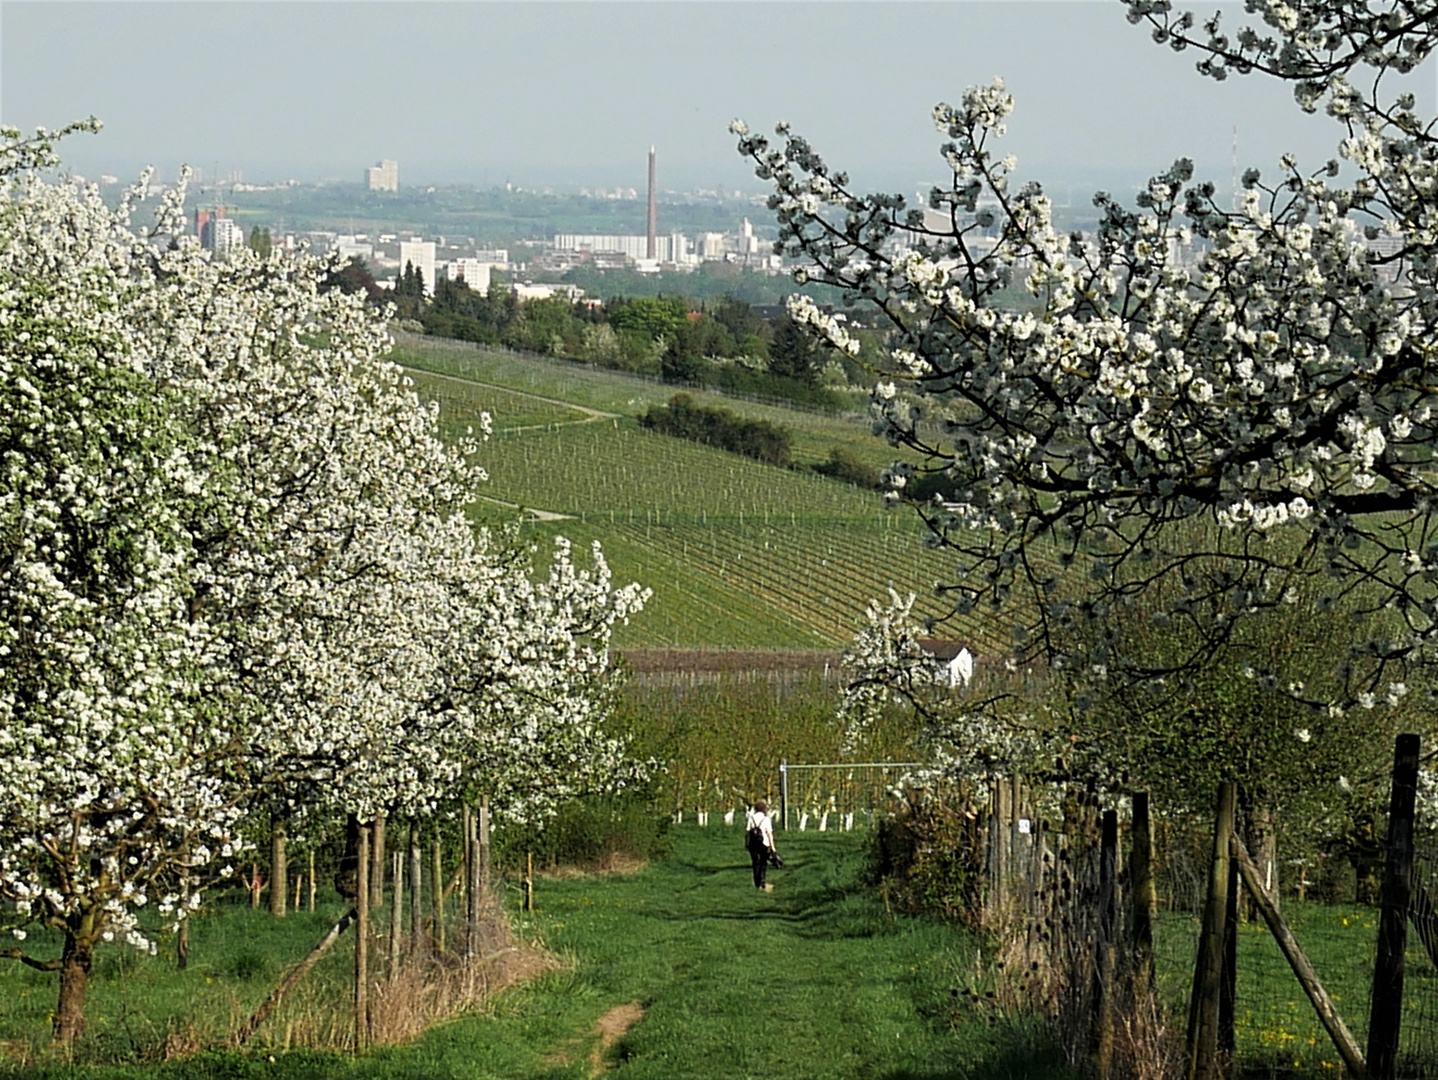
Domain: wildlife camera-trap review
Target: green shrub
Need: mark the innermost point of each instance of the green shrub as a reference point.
(757, 439)
(845, 466)
(588, 833)
(927, 859)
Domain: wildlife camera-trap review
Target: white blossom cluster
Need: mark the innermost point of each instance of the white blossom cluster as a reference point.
(965, 737)
(235, 567)
(1273, 391)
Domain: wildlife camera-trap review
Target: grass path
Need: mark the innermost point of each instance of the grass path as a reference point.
(721, 982)
(683, 971)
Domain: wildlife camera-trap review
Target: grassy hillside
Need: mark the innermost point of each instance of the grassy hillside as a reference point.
(738, 554)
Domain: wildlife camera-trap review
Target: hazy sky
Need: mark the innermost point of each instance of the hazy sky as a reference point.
(575, 93)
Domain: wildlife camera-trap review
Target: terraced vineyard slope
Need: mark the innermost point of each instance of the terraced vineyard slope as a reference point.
(738, 554)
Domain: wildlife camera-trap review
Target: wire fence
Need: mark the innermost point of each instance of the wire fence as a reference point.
(841, 797)
(1159, 946)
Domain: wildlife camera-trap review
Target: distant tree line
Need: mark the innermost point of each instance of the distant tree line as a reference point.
(726, 344)
(757, 439)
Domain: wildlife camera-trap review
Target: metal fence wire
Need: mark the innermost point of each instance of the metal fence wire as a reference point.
(841, 797)
(1065, 902)
(1418, 1047)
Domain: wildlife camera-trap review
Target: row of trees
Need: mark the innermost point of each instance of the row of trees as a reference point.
(757, 439)
(1203, 492)
(236, 577)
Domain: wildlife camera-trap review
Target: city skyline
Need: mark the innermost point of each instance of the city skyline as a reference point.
(573, 94)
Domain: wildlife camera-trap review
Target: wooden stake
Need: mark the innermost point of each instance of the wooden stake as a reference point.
(529, 881)
(482, 841)
(416, 885)
(436, 878)
(362, 898)
(1385, 1020)
(1144, 896)
(1204, 1039)
(396, 919)
(277, 995)
(471, 898)
(376, 881)
(279, 864)
(312, 879)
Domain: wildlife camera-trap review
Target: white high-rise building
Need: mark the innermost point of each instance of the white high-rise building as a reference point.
(384, 176)
(674, 248)
(226, 235)
(420, 255)
(473, 272)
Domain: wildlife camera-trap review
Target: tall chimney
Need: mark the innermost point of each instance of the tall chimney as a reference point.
(652, 247)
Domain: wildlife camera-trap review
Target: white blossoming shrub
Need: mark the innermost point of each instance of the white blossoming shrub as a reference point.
(236, 576)
(1227, 400)
(536, 681)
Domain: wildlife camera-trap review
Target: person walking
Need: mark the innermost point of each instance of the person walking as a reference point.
(759, 841)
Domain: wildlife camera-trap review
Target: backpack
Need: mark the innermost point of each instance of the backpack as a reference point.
(754, 839)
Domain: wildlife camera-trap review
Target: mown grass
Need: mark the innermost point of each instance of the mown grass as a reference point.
(813, 980)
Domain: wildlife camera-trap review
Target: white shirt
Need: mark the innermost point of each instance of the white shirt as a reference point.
(753, 819)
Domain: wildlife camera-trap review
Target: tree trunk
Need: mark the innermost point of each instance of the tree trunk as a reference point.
(75, 963)
(182, 938)
(279, 866)
(347, 871)
(182, 943)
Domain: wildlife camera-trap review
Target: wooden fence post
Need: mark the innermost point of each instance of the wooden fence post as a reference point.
(377, 867)
(1104, 951)
(1228, 984)
(482, 840)
(279, 864)
(1386, 1018)
(362, 898)
(476, 886)
(471, 887)
(1204, 1039)
(1143, 895)
(436, 875)
(416, 902)
(396, 919)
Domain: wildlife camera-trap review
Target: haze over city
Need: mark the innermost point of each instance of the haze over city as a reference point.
(574, 94)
